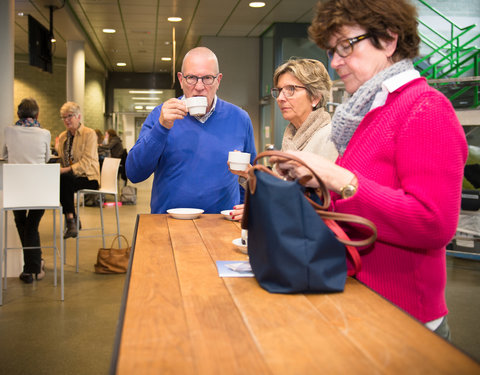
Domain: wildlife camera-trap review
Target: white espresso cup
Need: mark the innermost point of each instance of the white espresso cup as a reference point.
(238, 160)
(196, 105)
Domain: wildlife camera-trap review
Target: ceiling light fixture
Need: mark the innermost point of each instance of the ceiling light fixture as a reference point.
(145, 92)
(121, 64)
(109, 31)
(174, 19)
(256, 4)
(166, 59)
(138, 107)
(137, 98)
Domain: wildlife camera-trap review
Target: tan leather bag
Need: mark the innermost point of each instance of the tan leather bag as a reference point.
(112, 260)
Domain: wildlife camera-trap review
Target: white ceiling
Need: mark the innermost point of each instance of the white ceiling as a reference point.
(143, 34)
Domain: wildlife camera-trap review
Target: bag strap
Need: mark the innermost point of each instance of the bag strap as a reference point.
(119, 235)
(323, 193)
(352, 251)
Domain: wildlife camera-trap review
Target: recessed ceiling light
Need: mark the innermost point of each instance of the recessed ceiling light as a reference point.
(53, 40)
(256, 4)
(121, 64)
(109, 31)
(166, 59)
(150, 107)
(138, 107)
(174, 19)
(21, 14)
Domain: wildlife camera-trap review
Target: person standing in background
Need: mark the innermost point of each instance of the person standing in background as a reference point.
(27, 143)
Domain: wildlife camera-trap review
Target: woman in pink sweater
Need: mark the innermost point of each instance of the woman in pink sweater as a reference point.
(401, 153)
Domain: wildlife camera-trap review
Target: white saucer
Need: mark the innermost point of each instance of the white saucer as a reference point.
(185, 213)
(226, 214)
(238, 243)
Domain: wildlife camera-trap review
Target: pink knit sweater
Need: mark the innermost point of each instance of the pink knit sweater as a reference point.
(408, 156)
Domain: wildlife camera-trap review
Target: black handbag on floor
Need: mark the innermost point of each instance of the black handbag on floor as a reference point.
(294, 243)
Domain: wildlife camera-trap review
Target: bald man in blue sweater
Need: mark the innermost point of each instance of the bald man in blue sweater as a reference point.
(188, 154)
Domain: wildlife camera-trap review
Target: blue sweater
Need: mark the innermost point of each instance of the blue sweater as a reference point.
(189, 161)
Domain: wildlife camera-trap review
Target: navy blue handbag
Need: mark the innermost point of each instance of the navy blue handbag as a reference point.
(294, 243)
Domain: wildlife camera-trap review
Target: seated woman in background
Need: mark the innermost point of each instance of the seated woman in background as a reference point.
(393, 168)
(113, 143)
(77, 148)
(27, 143)
(100, 137)
(102, 152)
(301, 89)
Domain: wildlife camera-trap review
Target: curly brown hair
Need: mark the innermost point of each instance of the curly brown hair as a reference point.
(378, 18)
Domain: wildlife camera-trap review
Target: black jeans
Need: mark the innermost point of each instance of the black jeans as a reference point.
(27, 225)
(69, 184)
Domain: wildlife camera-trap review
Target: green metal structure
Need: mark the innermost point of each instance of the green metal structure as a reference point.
(451, 60)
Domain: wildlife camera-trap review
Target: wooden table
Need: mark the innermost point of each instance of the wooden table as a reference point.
(179, 317)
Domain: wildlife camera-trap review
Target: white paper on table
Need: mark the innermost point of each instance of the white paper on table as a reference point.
(234, 268)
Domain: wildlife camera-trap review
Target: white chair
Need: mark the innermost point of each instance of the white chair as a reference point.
(36, 187)
(108, 185)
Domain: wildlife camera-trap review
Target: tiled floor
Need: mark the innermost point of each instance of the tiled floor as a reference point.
(41, 335)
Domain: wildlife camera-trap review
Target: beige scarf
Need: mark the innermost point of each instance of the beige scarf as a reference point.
(296, 139)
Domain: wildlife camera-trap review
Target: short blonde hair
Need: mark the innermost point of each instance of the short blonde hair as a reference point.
(312, 74)
(70, 107)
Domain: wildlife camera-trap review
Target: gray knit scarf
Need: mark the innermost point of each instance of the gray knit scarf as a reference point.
(296, 139)
(349, 114)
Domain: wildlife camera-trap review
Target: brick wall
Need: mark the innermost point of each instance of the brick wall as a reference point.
(49, 90)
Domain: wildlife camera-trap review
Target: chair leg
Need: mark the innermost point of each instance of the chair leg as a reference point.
(118, 222)
(78, 230)
(5, 239)
(62, 259)
(1, 262)
(54, 247)
(101, 220)
(64, 247)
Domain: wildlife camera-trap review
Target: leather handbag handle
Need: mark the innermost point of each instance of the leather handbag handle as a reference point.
(323, 193)
(119, 235)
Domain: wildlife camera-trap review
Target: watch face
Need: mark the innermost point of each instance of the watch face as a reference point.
(348, 191)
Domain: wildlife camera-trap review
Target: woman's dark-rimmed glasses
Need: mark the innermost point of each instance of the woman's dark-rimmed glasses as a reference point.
(288, 90)
(344, 47)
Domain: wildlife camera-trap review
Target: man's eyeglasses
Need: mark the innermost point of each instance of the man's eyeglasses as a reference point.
(207, 80)
(344, 47)
(68, 117)
(288, 90)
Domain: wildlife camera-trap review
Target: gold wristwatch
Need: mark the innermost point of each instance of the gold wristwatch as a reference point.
(349, 189)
